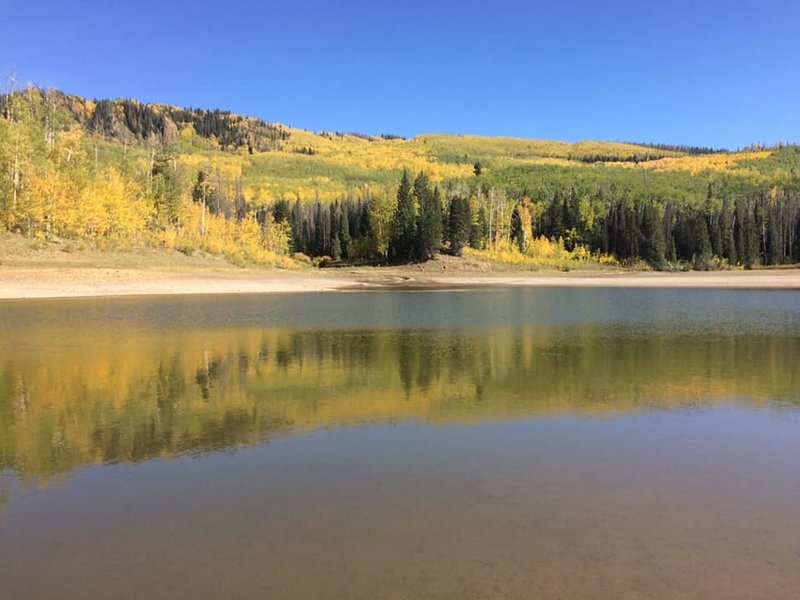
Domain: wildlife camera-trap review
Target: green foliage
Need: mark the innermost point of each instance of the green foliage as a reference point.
(517, 229)
(165, 190)
(479, 229)
(459, 224)
(652, 243)
(429, 223)
(403, 244)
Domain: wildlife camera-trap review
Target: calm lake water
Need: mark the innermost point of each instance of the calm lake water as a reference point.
(516, 443)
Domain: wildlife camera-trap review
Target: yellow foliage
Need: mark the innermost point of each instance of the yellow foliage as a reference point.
(120, 209)
(540, 252)
(241, 242)
(472, 147)
(69, 148)
(697, 164)
(47, 204)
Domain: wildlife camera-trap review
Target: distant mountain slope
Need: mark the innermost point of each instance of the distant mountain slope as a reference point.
(129, 120)
(272, 160)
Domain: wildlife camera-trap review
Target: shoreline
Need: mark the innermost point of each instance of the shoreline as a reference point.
(17, 283)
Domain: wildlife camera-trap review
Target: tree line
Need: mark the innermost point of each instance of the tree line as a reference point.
(746, 225)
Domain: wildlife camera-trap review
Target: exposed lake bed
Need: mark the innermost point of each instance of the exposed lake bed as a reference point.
(488, 443)
(87, 282)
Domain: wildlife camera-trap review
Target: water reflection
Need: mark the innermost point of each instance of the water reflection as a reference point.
(666, 491)
(128, 393)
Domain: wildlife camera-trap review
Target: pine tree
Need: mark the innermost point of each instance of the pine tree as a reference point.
(429, 229)
(517, 229)
(479, 233)
(728, 239)
(746, 233)
(459, 224)
(344, 231)
(402, 241)
(652, 244)
(319, 232)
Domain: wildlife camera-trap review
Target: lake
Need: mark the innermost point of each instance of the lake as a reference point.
(510, 443)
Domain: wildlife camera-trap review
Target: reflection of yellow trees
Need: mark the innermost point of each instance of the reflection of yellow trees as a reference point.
(132, 395)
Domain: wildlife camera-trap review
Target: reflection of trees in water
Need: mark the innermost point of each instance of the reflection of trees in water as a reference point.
(242, 387)
(5, 498)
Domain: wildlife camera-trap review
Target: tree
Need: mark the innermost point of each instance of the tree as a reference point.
(479, 232)
(165, 190)
(402, 241)
(652, 245)
(200, 194)
(429, 228)
(518, 229)
(460, 221)
(344, 231)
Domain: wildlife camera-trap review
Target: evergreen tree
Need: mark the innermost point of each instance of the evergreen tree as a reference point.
(281, 211)
(299, 227)
(479, 232)
(344, 231)
(728, 239)
(700, 241)
(652, 244)
(746, 233)
(429, 228)
(556, 217)
(517, 230)
(402, 241)
(319, 232)
(460, 220)
(364, 221)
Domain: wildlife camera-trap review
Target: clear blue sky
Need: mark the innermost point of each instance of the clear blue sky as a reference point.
(704, 72)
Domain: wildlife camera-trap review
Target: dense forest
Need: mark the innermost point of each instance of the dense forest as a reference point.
(120, 173)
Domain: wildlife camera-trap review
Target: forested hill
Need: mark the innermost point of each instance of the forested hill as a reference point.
(121, 172)
(131, 121)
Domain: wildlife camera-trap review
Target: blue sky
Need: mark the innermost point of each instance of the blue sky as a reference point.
(704, 72)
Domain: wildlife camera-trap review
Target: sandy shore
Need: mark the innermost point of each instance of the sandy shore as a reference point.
(31, 269)
(64, 282)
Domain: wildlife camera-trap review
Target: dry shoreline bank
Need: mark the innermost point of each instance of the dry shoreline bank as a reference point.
(36, 270)
(65, 282)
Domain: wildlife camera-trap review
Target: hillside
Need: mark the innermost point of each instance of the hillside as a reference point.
(120, 172)
(276, 161)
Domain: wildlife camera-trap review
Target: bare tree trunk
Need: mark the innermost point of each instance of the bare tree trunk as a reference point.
(491, 218)
(203, 217)
(15, 176)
